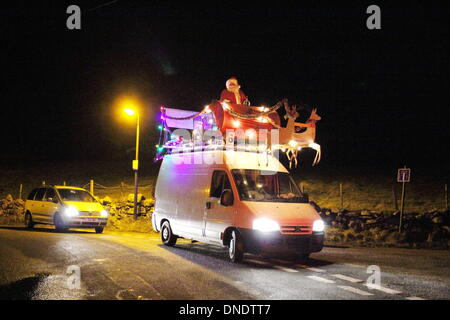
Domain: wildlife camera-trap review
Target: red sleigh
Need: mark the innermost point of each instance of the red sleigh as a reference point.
(249, 120)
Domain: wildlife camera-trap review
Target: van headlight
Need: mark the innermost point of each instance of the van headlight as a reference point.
(71, 212)
(318, 226)
(104, 213)
(265, 225)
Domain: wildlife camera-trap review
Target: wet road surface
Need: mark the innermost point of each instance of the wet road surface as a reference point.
(43, 264)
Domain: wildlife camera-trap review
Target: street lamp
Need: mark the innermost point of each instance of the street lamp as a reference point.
(132, 112)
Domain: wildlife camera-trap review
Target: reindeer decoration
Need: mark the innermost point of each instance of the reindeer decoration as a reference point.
(293, 141)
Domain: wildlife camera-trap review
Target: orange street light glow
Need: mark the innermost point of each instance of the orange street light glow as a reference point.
(129, 111)
(129, 105)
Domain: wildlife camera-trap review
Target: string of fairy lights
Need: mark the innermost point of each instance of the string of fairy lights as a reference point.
(165, 131)
(167, 140)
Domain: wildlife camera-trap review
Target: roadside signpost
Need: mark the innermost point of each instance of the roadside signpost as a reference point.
(403, 176)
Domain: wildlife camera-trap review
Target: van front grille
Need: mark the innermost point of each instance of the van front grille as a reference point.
(304, 229)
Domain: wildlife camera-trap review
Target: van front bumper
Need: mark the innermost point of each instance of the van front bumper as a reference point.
(276, 242)
(85, 222)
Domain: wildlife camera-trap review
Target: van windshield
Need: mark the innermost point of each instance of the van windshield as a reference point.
(75, 195)
(252, 185)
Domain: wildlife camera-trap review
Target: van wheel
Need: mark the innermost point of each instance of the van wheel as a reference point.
(99, 229)
(167, 237)
(29, 224)
(236, 247)
(59, 224)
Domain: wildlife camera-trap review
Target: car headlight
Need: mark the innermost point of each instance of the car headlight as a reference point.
(318, 226)
(265, 225)
(71, 212)
(104, 213)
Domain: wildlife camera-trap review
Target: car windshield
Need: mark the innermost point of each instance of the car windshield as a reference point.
(252, 185)
(75, 195)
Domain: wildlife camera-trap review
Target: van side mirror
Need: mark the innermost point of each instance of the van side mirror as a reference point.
(226, 198)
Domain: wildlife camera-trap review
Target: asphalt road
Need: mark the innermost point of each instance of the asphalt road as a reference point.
(34, 265)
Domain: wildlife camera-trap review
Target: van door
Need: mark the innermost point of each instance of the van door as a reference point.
(217, 217)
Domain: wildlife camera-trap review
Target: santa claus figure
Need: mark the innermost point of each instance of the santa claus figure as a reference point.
(233, 93)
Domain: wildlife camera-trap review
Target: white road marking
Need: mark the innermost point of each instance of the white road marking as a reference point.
(148, 285)
(281, 261)
(382, 289)
(285, 269)
(415, 298)
(259, 262)
(347, 278)
(355, 265)
(320, 279)
(303, 266)
(310, 268)
(355, 290)
(271, 265)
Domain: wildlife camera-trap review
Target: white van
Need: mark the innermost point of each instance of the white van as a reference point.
(248, 203)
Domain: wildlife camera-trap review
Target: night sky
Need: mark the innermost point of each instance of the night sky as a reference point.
(383, 95)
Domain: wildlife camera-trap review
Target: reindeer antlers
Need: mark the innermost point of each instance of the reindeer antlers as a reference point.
(291, 111)
(314, 115)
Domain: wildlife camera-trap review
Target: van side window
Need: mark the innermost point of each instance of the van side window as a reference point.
(219, 183)
(40, 194)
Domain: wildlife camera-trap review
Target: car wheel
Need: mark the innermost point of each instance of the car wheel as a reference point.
(99, 229)
(167, 237)
(59, 223)
(29, 221)
(236, 247)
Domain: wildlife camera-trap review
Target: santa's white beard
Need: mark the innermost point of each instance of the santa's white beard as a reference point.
(235, 91)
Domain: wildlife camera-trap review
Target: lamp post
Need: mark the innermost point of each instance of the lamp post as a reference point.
(135, 164)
